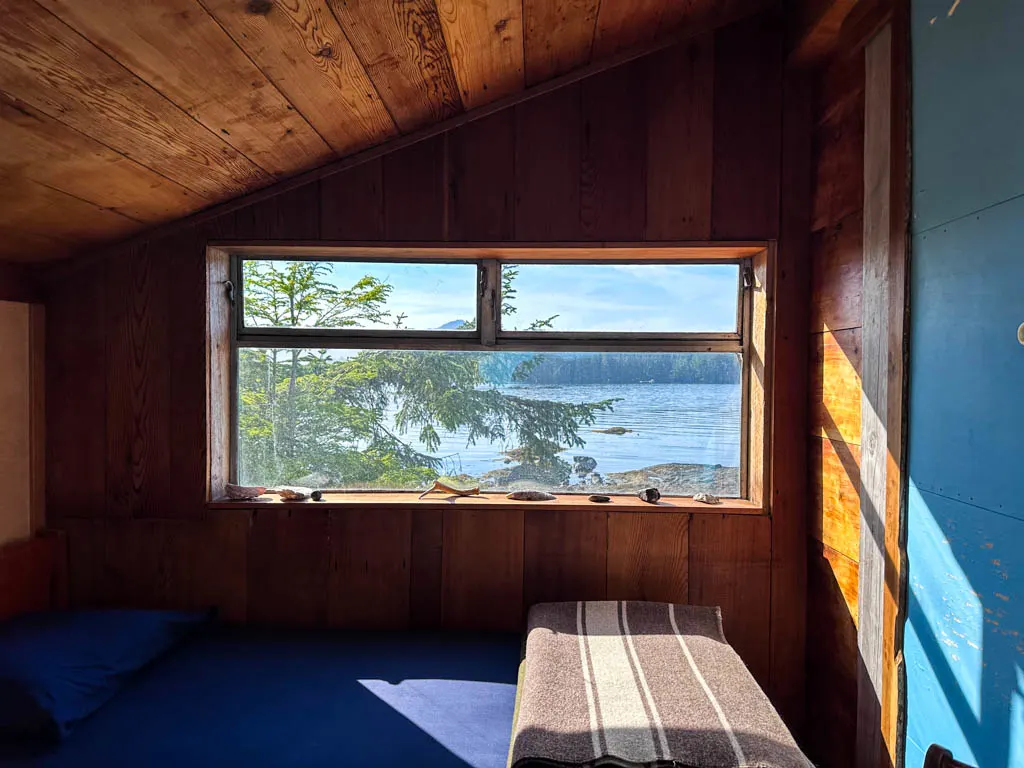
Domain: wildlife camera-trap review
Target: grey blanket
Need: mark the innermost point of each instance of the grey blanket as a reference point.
(641, 684)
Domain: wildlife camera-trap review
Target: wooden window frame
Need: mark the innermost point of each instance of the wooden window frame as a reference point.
(752, 339)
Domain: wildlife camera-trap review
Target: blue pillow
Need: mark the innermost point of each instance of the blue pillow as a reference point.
(57, 668)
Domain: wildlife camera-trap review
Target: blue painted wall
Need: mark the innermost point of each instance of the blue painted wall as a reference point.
(964, 642)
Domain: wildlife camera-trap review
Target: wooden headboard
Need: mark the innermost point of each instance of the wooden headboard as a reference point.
(30, 575)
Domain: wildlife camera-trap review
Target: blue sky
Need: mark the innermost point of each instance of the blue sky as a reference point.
(592, 297)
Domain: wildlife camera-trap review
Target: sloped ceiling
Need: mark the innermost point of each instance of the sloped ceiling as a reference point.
(116, 115)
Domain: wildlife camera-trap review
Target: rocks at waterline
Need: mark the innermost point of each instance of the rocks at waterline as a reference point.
(676, 479)
(612, 431)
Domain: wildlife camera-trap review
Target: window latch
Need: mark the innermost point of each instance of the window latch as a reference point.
(748, 278)
(229, 289)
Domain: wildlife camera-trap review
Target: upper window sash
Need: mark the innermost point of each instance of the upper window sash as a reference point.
(488, 333)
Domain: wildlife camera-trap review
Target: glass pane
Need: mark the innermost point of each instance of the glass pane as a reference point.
(644, 298)
(359, 294)
(567, 422)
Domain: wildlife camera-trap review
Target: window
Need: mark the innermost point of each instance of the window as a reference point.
(582, 377)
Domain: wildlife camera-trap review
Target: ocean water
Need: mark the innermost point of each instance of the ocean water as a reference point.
(670, 423)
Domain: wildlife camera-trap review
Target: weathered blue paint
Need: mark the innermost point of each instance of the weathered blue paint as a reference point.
(967, 106)
(963, 645)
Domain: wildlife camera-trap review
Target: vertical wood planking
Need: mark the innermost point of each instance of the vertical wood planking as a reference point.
(835, 495)
(613, 155)
(837, 263)
(789, 406)
(882, 363)
(288, 564)
(352, 203)
(481, 179)
(680, 140)
(565, 556)
(482, 571)
(730, 566)
(292, 215)
(648, 556)
(368, 586)
(548, 167)
(748, 71)
(414, 191)
(835, 385)
(76, 397)
(138, 385)
(839, 178)
(425, 569)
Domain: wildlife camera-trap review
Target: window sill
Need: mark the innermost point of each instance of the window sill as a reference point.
(493, 501)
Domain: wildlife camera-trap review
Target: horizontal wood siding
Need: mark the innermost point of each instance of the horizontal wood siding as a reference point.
(834, 411)
(600, 159)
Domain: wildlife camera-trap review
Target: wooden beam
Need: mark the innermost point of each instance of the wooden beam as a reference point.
(424, 133)
(883, 382)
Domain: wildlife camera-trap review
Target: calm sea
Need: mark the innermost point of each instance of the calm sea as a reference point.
(671, 423)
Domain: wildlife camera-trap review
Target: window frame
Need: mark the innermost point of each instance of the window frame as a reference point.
(750, 340)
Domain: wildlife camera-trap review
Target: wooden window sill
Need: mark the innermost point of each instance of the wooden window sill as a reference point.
(490, 501)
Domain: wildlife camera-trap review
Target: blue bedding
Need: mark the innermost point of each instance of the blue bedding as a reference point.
(272, 698)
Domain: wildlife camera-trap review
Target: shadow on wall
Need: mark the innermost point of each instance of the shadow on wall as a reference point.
(963, 643)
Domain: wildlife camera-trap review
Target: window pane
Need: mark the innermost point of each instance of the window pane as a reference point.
(645, 298)
(567, 422)
(354, 294)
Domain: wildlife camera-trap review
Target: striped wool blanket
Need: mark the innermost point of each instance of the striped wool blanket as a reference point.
(641, 684)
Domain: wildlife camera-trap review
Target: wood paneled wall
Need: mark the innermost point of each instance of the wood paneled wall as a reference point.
(681, 145)
(835, 410)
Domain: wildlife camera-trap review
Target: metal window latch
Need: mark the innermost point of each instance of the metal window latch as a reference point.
(748, 278)
(229, 289)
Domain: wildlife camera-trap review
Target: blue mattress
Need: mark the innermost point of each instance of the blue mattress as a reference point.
(270, 698)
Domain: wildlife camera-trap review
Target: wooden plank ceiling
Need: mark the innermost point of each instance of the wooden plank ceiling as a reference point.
(116, 115)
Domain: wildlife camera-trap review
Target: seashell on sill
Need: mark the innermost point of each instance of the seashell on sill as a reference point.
(294, 493)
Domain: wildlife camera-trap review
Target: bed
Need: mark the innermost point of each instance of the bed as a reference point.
(236, 696)
(244, 696)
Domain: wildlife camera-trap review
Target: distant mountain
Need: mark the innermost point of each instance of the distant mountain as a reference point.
(451, 325)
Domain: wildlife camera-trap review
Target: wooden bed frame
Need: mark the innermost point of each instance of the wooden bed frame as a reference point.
(32, 575)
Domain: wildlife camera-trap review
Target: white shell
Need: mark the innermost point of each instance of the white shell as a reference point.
(530, 496)
(707, 498)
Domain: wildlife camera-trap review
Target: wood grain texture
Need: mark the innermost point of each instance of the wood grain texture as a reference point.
(352, 204)
(730, 567)
(482, 570)
(835, 495)
(402, 47)
(180, 50)
(19, 282)
(613, 155)
(748, 124)
(46, 64)
(648, 556)
(485, 41)
(839, 175)
(425, 569)
(50, 153)
(300, 46)
(838, 85)
(76, 396)
(548, 132)
(294, 215)
(288, 567)
(16, 438)
(835, 389)
(138, 385)
(621, 23)
(831, 657)
(558, 36)
(789, 405)
(30, 232)
(837, 263)
(414, 192)
(565, 556)
(368, 586)
(680, 140)
(481, 179)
